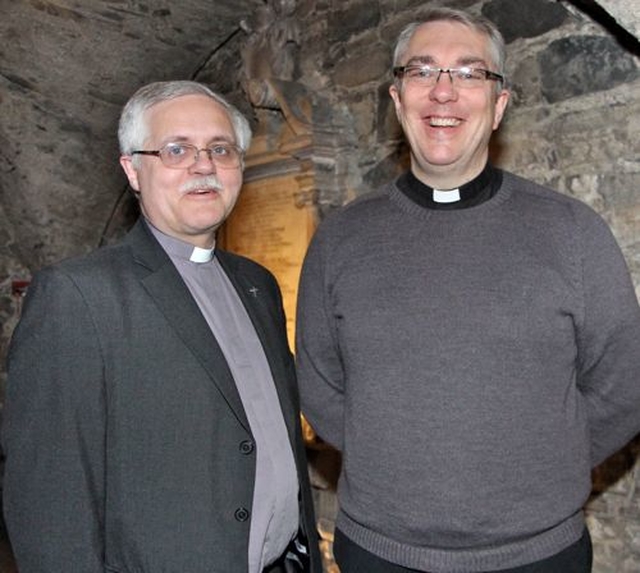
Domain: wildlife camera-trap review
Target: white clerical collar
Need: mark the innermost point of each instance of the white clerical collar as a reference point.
(448, 196)
(199, 255)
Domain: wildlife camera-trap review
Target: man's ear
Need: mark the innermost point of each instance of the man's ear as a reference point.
(395, 95)
(126, 161)
(501, 106)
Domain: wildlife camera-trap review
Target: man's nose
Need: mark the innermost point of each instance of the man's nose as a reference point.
(204, 161)
(444, 89)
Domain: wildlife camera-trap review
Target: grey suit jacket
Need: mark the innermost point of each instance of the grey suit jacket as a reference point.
(127, 446)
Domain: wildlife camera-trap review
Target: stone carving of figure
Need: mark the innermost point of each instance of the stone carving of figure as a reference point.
(274, 40)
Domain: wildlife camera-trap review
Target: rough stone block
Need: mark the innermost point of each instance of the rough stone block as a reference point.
(524, 19)
(579, 65)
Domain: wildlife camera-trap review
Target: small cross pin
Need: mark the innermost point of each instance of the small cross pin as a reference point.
(254, 291)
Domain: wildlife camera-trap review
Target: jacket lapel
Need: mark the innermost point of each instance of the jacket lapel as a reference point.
(165, 286)
(258, 306)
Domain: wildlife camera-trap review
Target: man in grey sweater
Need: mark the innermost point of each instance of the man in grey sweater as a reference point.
(468, 339)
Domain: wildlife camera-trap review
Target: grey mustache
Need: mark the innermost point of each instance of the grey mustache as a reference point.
(208, 182)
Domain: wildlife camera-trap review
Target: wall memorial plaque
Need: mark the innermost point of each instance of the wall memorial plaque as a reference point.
(271, 226)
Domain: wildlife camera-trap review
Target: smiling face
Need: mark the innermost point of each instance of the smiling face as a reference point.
(189, 204)
(448, 129)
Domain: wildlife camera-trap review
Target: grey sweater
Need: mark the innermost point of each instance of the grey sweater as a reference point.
(473, 366)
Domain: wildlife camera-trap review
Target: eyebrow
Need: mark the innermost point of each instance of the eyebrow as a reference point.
(464, 61)
(184, 139)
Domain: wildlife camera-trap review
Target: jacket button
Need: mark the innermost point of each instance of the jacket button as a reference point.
(246, 447)
(241, 514)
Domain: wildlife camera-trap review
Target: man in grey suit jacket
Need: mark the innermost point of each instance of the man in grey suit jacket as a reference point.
(152, 418)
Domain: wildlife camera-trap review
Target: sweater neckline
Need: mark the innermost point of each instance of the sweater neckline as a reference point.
(409, 205)
(480, 189)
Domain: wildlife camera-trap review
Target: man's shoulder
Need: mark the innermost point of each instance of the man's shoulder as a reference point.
(369, 201)
(99, 264)
(540, 194)
(362, 210)
(96, 261)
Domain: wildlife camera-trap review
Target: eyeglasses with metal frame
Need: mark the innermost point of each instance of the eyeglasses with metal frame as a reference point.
(428, 76)
(184, 155)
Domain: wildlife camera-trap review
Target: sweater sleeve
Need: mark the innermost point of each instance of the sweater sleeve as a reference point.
(608, 341)
(53, 433)
(318, 360)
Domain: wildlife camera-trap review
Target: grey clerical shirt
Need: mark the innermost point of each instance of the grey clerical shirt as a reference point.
(275, 513)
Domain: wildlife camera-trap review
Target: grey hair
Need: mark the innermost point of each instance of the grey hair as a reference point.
(133, 128)
(478, 23)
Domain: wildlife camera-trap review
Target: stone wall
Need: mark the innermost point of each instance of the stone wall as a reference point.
(573, 124)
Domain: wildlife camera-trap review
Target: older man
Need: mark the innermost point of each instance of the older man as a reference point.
(468, 339)
(152, 415)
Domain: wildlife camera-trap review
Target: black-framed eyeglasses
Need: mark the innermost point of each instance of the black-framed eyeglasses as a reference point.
(185, 155)
(428, 76)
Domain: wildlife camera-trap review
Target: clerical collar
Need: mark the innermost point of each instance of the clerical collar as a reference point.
(447, 196)
(472, 193)
(199, 255)
(181, 249)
